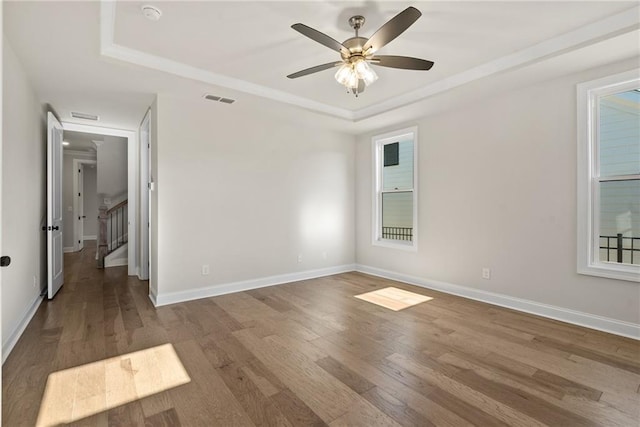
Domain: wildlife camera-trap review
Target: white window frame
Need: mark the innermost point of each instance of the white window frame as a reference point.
(378, 142)
(588, 95)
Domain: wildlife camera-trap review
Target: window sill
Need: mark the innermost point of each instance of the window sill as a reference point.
(396, 244)
(612, 271)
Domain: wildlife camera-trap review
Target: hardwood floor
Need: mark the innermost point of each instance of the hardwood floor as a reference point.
(309, 353)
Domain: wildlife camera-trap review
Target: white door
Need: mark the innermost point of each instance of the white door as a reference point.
(55, 271)
(145, 132)
(80, 218)
(1, 231)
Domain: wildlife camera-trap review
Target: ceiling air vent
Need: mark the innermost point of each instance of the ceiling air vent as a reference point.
(219, 99)
(84, 116)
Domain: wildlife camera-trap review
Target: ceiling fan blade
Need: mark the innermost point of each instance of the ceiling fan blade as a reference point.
(321, 38)
(314, 69)
(404, 62)
(392, 29)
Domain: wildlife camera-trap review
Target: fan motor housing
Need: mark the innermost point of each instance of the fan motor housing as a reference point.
(354, 44)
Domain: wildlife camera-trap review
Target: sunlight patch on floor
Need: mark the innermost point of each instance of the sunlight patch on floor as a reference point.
(76, 393)
(393, 298)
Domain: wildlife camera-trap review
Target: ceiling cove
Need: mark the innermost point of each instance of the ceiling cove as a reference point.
(612, 26)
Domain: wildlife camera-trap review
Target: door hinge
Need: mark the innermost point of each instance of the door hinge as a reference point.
(78, 194)
(78, 218)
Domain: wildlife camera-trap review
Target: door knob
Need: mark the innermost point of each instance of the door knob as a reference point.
(55, 227)
(5, 261)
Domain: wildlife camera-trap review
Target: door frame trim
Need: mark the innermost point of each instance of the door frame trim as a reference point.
(145, 199)
(132, 182)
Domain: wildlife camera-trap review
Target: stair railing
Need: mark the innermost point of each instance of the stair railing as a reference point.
(112, 228)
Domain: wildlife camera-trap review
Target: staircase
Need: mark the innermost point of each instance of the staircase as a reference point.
(112, 235)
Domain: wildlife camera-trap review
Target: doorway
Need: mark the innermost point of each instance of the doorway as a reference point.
(85, 202)
(100, 134)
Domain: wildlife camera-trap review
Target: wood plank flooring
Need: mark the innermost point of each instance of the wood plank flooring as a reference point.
(309, 353)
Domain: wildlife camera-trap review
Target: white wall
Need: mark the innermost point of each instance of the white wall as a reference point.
(112, 167)
(67, 195)
(246, 193)
(497, 188)
(23, 197)
(90, 201)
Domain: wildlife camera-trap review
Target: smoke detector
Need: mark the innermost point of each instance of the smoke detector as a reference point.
(152, 13)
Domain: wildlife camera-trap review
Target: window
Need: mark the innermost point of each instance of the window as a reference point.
(609, 177)
(395, 178)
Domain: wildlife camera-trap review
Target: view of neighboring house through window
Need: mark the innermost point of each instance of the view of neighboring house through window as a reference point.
(395, 177)
(619, 177)
(609, 176)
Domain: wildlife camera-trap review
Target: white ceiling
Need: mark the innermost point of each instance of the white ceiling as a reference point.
(111, 61)
(81, 141)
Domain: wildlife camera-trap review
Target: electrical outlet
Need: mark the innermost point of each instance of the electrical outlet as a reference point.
(299, 258)
(205, 269)
(486, 273)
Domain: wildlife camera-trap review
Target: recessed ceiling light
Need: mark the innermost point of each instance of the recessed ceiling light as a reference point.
(152, 13)
(65, 143)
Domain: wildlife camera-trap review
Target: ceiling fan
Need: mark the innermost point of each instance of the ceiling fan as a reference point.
(358, 52)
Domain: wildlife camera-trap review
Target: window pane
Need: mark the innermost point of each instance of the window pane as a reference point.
(391, 154)
(620, 214)
(620, 134)
(399, 176)
(397, 215)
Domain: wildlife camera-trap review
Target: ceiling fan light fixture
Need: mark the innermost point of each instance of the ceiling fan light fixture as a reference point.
(361, 66)
(344, 74)
(365, 72)
(354, 71)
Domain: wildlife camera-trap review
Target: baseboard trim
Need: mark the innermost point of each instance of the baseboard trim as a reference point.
(153, 297)
(90, 238)
(605, 324)
(8, 345)
(118, 262)
(67, 250)
(228, 288)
